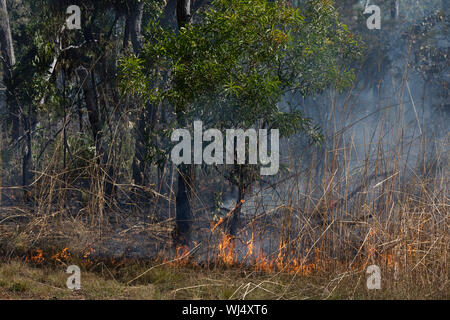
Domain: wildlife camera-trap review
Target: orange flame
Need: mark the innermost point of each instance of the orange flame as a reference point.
(182, 254)
(87, 260)
(36, 256)
(221, 220)
(226, 250)
(64, 255)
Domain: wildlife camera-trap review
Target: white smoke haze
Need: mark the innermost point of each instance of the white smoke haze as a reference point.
(391, 127)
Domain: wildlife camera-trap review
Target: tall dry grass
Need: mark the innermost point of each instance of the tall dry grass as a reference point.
(377, 199)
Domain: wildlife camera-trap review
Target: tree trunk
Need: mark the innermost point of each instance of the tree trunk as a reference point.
(28, 124)
(90, 95)
(183, 216)
(126, 32)
(395, 7)
(185, 175)
(233, 224)
(27, 164)
(8, 60)
(168, 16)
(6, 41)
(183, 12)
(135, 26)
(147, 119)
(169, 13)
(91, 106)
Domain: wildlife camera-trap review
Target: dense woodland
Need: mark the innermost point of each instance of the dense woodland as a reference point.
(87, 115)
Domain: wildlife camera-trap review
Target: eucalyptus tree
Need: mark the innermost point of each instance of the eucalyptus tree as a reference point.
(8, 61)
(233, 66)
(56, 66)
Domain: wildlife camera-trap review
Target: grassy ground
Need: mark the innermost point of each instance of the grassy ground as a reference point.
(22, 280)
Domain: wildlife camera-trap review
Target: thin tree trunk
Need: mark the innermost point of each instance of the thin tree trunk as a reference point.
(183, 12)
(185, 175)
(183, 213)
(90, 95)
(28, 124)
(149, 119)
(91, 106)
(126, 33)
(6, 41)
(144, 122)
(135, 26)
(233, 224)
(169, 13)
(27, 164)
(8, 60)
(395, 7)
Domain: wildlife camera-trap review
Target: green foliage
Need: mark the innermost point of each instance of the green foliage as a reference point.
(234, 66)
(83, 149)
(18, 287)
(133, 79)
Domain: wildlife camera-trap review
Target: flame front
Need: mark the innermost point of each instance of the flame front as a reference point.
(36, 256)
(227, 250)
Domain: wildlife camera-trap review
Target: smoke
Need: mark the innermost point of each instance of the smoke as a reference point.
(393, 123)
(390, 106)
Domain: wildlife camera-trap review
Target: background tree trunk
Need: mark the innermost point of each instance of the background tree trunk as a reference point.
(8, 61)
(169, 14)
(395, 7)
(183, 206)
(146, 123)
(233, 224)
(88, 85)
(136, 25)
(91, 106)
(140, 174)
(183, 12)
(8, 57)
(185, 174)
(27, 161)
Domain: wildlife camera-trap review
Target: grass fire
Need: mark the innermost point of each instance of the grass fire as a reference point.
(224, 149)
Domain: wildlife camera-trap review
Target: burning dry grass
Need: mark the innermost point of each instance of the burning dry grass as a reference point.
(19, 280)
(338, 214)
(402, 229)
